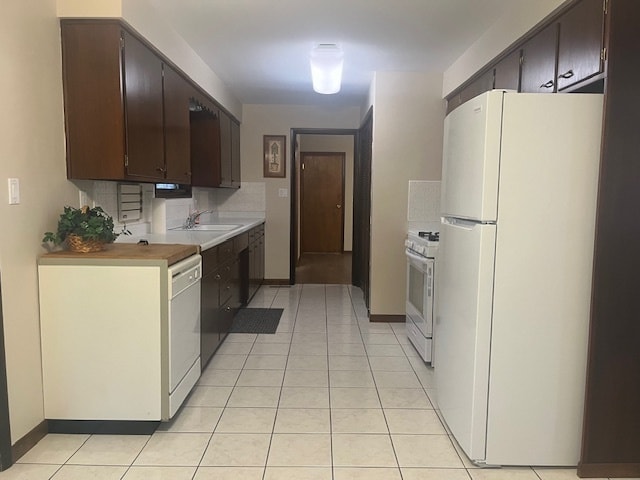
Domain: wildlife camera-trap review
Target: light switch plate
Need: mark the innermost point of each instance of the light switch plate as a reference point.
(283, 192)
(14, 191)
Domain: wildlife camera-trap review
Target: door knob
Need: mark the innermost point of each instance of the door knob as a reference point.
(338, 206)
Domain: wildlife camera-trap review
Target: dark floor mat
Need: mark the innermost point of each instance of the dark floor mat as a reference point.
(256, 320)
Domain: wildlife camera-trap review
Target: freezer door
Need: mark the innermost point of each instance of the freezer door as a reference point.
(462, 333)
(471, 159)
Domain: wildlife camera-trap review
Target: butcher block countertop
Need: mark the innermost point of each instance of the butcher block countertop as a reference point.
(115, 253)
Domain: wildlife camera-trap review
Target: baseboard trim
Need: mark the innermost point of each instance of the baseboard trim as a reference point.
(104, 427)
(27, 442)
(387, 318)
(276, 281)
(609, 470)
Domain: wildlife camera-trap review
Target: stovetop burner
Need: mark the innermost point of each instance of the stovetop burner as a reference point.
(431, 236)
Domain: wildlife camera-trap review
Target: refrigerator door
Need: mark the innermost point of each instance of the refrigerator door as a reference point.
(463, 329)
(471, 159)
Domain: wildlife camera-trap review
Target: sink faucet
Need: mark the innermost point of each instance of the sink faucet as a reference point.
(192, 219)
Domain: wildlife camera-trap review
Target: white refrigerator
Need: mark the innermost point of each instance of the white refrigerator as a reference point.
(519, 188)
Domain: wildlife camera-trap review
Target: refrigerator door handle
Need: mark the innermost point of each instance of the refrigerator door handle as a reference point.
(460, 223)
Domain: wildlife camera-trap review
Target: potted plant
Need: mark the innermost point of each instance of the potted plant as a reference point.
(84, 229)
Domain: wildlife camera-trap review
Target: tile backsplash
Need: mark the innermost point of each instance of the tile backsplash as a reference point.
(159, 214)
(423, 206)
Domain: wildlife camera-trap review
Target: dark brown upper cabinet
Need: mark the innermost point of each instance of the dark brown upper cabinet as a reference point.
(581, 43)
(143, 100)
(93, 100)
(177, 138)
(538, 69)
(235, 154)
(113, 104)
(126, 113)
(507, 72)
(481, 84)
(225, 150)
(205, 145)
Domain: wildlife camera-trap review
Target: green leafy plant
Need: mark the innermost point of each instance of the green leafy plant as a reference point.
(87, 223)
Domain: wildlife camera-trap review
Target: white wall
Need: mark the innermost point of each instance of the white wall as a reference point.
(408, 114)
(31, 149)
(259, 120)
(343, 144)
(510, 27)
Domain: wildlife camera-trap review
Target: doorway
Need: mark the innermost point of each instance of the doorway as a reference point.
(322, 205)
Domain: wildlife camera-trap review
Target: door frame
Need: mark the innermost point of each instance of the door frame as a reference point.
(293, 135)
(5, 429)
(342, 157)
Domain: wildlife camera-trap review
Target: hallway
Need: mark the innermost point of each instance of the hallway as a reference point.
(329, 268)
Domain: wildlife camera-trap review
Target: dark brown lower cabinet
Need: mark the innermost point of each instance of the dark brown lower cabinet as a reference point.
(223, 277)
(255, 262)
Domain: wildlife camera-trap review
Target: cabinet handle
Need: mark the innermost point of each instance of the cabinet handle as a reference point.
(228, 287)
(549, 84)
(160, 169)
(218, 277)
(227, 308)
(567, 74)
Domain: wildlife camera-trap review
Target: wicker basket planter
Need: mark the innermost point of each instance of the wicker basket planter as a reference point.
(77, 244)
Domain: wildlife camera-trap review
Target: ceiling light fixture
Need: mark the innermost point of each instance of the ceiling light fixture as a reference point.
(326, 68)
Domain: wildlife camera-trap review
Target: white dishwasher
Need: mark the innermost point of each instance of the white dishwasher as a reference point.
(184, 329)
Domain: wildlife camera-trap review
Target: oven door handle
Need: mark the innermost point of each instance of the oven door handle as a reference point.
(417, 258)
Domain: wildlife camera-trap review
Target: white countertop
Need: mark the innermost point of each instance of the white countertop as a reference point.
(205, 239)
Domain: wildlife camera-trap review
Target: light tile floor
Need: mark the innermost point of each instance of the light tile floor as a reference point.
(330, 396)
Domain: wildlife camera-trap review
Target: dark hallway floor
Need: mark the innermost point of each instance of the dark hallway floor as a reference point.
(331, 268)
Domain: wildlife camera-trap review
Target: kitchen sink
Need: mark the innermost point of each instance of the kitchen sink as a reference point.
(213, 227)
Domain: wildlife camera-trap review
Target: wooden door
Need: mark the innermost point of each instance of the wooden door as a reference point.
(176, 126)
(144, 111)
(322, 202)
(538, 73)
(580, 43)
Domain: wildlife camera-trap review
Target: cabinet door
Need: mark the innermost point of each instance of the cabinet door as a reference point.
(94, 116)
(176, 126)
(507, 72)
(235, 154)
(205, 147)
(538, 70)
(225, 150)
(143, 104)
(209, 316)
(580, 43)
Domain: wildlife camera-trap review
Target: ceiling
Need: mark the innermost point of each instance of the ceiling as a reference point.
(260, 48)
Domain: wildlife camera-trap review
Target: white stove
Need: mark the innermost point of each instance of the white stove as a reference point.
(423, 243)
(421, 251)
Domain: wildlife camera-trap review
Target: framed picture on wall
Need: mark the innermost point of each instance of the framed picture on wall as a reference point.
(275, 156)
